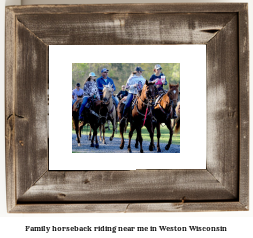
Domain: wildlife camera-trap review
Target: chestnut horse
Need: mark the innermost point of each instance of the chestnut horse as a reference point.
(163, 113)
(140, 115)
(112, 116)
(176, 122)
(95, 115)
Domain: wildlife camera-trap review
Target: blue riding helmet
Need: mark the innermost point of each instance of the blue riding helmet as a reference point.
(92, 74)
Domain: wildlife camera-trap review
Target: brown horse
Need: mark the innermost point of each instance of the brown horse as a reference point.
(95, 116)
(163, 113)
(140, 115)
(111, 116)
(176, 122)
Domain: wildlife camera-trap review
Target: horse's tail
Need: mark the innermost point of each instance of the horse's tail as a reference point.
(177, 126)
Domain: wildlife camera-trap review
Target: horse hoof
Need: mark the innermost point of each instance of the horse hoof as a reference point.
(92, 145)
(136, 146)
(79, 144)
(89, 138)
(129, 150)
(151, 148)
(141, 151)
(167, 147)
(111, 138)
(121, 147)
(104, 142)
(158, 150)
(97, 146)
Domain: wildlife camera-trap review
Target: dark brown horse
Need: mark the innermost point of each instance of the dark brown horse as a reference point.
(163, 113)
(139, 116)
(95, 116)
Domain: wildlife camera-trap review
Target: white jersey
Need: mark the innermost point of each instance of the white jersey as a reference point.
(140, 80)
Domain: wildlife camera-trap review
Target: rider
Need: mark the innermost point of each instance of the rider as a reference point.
(122, 93)
(90, 90)
(77, 92)
(105, 80)
(156, 77)
(135, 83)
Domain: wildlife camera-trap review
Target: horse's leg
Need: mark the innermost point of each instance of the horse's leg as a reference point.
(150, 129)
(171, 134)
(89, 138)
(100, 132)
(138, 129)
(136, 143)
(77, 128)
(103, 127)
(95, 135)
(108, 123)
(113, 120)
(158, 130)
(132, 128)
(92, 139)
(122, 129)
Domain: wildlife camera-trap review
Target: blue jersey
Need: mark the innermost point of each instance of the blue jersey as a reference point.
(101, 82)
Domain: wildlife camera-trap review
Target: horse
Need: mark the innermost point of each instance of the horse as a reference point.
(163, 112)
(111, 116)
(140, 115)
(176, 122)
(95, 116)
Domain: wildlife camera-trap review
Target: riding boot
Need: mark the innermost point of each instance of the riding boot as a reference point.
(80, 118)
(174, 113)
(124, 112)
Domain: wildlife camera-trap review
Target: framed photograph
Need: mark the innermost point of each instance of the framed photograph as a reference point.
(45, 46)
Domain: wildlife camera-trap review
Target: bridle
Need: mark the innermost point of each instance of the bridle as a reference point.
(108, 99)
(148, 105)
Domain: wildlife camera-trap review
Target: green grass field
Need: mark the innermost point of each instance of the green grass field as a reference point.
(145, 135)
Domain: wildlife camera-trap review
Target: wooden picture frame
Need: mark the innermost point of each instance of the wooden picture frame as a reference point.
(222, 186)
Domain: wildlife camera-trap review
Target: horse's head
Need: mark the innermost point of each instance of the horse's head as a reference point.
(107, 92)
(102, 110)
(149, 92)
(173, 93)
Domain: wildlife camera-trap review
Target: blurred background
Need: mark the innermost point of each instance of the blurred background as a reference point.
(120, 72)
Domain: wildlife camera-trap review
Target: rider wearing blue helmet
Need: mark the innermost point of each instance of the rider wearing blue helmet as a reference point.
(90, 90)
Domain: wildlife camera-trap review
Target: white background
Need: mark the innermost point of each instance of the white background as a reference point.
(192, 59)
(239, 223)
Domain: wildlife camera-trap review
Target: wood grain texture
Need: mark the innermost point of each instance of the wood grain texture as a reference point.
(244, 106)
(129, 8)
(30, 108)
(125, 29)
(222, 107)
(140, 185)
(129, 207)
(10, 60)
(222, 187)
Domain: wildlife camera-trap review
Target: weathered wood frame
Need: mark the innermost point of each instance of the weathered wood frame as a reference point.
(223, 186)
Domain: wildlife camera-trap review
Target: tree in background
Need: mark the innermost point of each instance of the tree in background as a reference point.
(120, 72)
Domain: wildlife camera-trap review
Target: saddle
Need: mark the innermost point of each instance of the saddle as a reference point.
(77, 104)
(134, 101)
